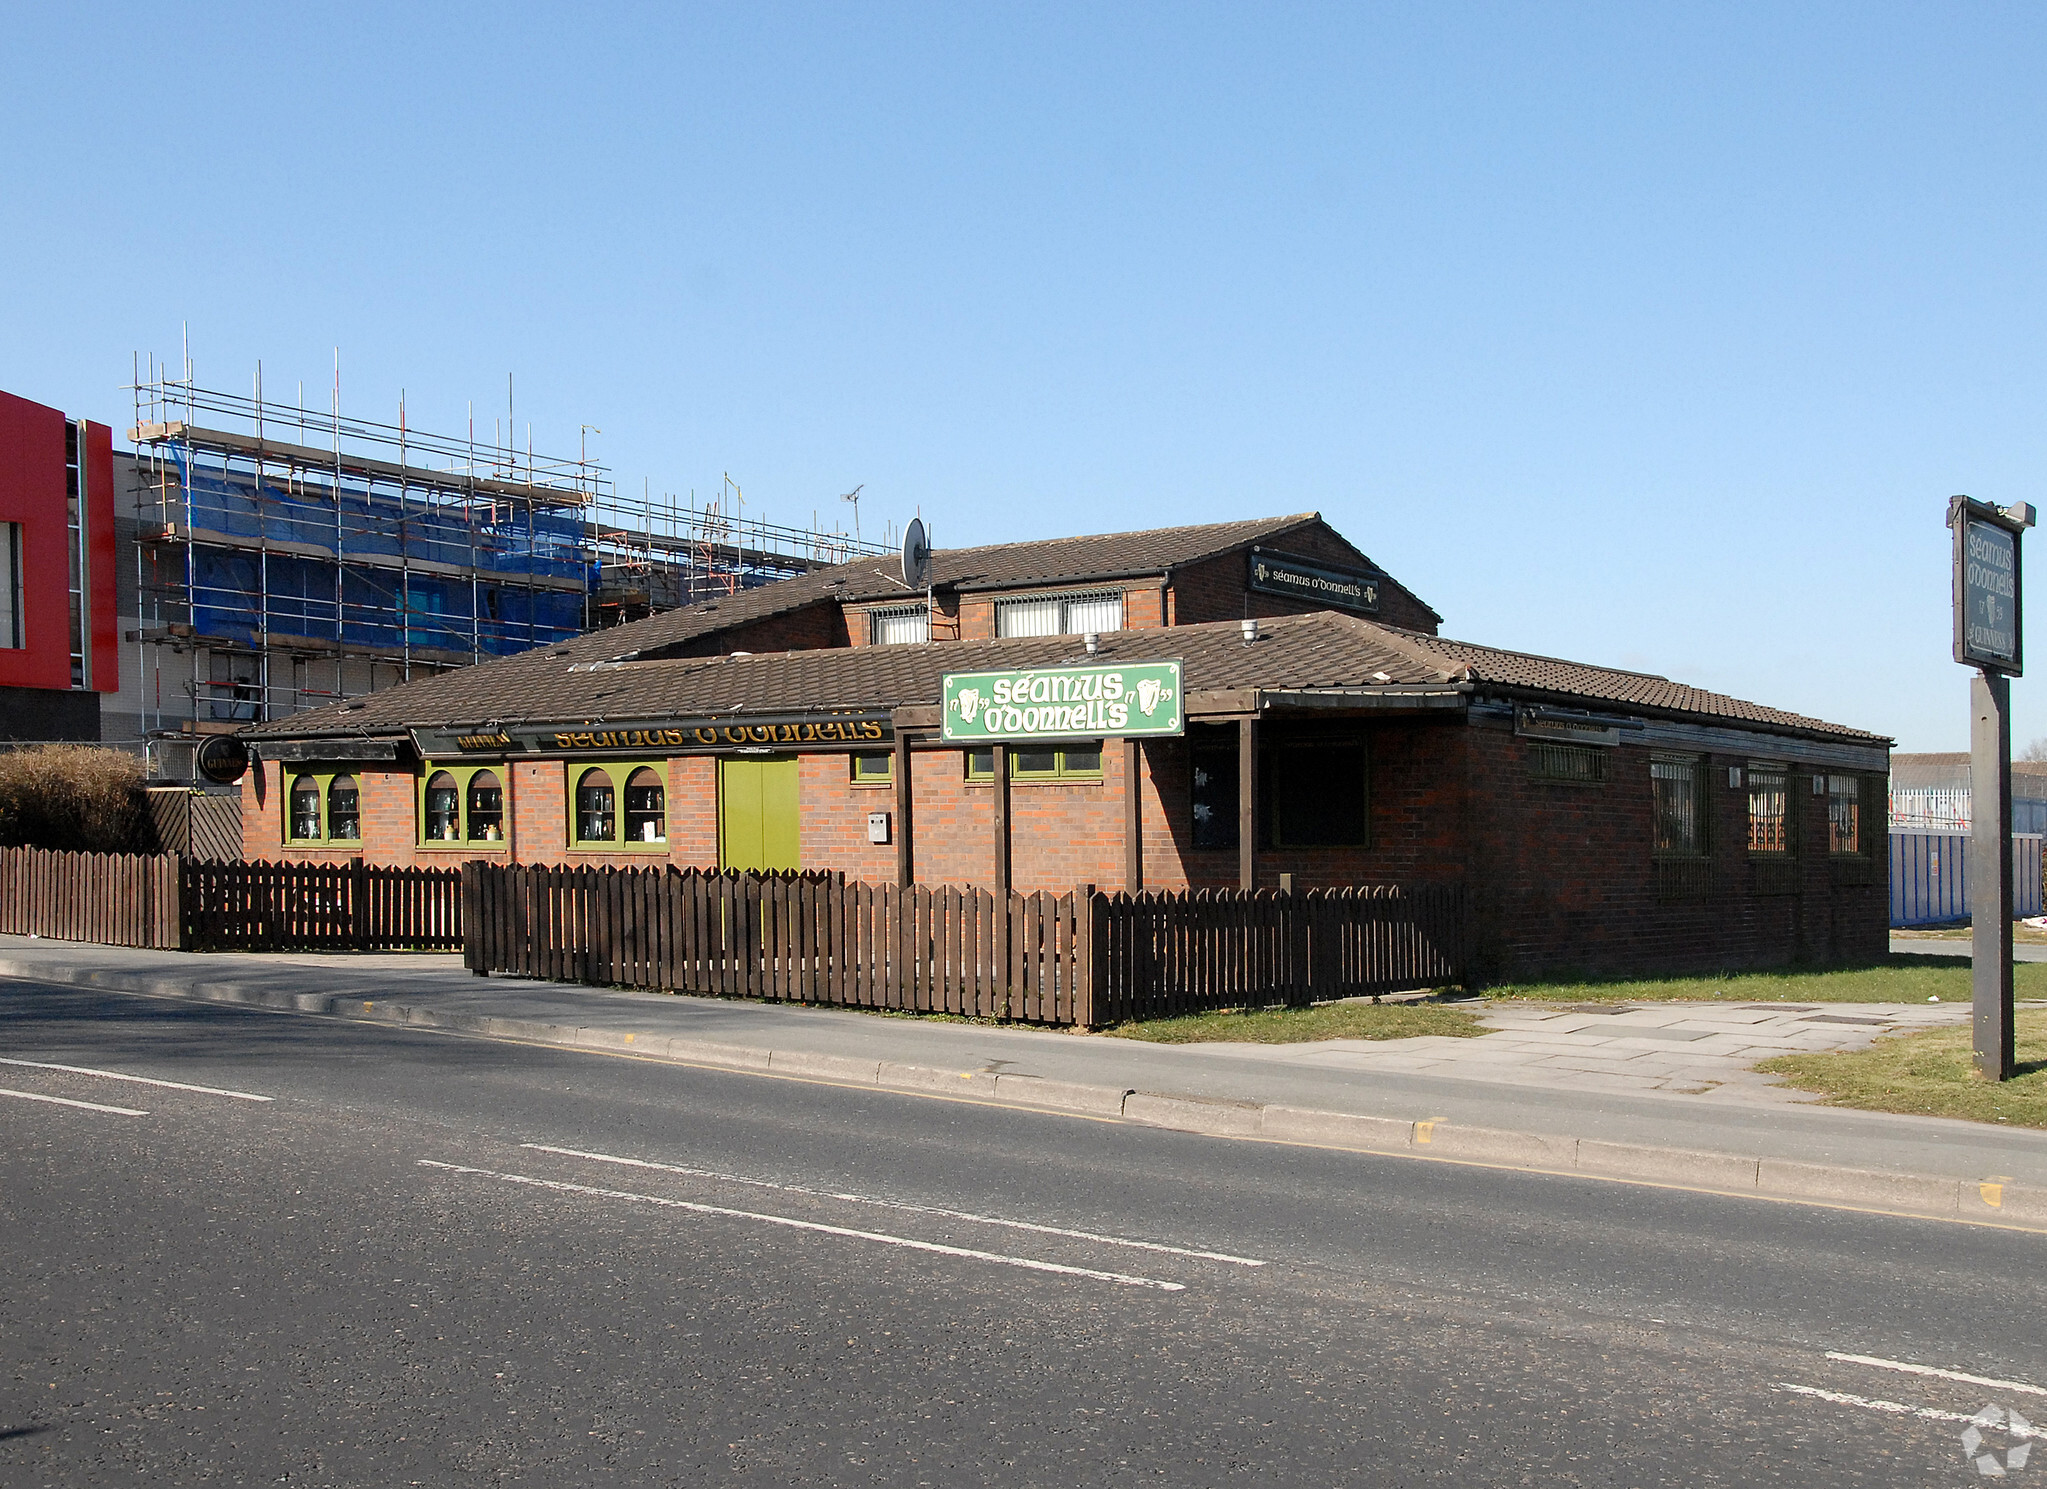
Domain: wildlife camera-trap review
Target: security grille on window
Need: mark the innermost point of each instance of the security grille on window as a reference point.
(900, 626)
(1061, 615)
(1844, 815)
(1769, 809)
(1680, 826)
(1574, 765)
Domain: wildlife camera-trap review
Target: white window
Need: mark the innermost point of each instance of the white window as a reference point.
(10, 584)
(1061, 615)
(899, 626)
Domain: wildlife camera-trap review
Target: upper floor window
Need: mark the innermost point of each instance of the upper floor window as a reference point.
(899, 625)
(10, 585)
(1061, 615)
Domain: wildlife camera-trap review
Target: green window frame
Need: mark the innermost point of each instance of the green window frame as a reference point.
(1067, 762)
(319, 805)
(473, 816)
(612, 804)
(872, 767)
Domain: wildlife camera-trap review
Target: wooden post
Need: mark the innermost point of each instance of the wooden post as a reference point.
(999, 793)
(1133, 816)
(1247, 804)
(906, 840)
(1001, 789)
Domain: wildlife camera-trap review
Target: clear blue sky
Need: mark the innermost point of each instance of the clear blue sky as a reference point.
(1649, 335)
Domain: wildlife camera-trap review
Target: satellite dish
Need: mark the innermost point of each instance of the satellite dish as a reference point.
(916, 555)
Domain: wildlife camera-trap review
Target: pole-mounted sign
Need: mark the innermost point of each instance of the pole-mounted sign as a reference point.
(1989, 637)
(1987, 632)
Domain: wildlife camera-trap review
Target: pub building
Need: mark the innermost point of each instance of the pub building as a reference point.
(1251, 704)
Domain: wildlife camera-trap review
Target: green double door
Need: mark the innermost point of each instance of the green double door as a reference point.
(758, 805)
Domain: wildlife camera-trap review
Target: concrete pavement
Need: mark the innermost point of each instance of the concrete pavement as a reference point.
(1516, 1097)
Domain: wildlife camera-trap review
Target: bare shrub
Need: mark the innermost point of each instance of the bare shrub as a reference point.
(77, 798)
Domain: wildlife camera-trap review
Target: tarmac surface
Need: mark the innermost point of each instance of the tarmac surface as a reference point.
(248, 1246)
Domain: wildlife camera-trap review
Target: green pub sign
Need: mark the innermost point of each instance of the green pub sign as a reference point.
(1138, 698)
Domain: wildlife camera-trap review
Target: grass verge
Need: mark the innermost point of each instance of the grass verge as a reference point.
(1928, 1075)
(1903, 978)
(1303, 1025)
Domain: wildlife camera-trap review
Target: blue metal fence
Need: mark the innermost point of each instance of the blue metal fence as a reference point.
(1930, 876)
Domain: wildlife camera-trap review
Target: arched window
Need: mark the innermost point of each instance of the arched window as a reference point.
(646, 808)
(443, 808)
(596, 808)
(486, 807)
(344, 809)
(305, 809)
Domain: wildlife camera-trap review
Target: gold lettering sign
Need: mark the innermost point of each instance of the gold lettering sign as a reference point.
(828, 731)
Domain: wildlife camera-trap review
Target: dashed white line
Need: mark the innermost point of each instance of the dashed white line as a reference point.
(1911, 1369)
(1028, 1263)
(140, 1080)
(90, 1106)
(1897, 1408)
(889, 1204)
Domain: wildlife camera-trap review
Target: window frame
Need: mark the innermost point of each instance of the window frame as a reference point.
(897, 612)
(464, 773)
(1864, 795)
(620, 771)
(1065, 599)
(1702, 810)
(323, 781)
(1059, 775)
(869, 783)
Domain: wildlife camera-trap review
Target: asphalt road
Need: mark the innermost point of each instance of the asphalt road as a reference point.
(422, 1261)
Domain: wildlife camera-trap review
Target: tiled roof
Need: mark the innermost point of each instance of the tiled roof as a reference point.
(1083, 560)
(1319, 650)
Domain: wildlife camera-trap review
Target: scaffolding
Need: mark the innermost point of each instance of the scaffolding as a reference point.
(309, 557)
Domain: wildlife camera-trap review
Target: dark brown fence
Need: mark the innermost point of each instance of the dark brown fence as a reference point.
(1083, 958)
(803, 937)
(117, 899)
(1164, 954)
(320, 907)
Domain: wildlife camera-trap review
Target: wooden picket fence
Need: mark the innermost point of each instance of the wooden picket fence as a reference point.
(1082, 958)
(1166, 954)
(258, 906)
(116, 899)
(811, 938)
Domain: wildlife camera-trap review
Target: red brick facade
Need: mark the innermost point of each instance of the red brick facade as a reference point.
(1562, 875)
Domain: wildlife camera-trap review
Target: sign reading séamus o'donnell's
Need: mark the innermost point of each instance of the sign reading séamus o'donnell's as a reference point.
(1986, 584)
(1126, 700)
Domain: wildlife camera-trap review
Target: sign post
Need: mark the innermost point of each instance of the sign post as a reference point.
(1989, 637)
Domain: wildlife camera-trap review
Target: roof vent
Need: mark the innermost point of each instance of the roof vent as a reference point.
(1092, 641)
(347, 707)
(1382, 677)
(1250, 629)
(738, 654)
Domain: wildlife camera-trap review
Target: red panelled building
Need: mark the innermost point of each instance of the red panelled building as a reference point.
(59, 636)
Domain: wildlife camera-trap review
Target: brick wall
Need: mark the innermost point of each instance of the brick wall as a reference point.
(1563, 879)
(1219, 588)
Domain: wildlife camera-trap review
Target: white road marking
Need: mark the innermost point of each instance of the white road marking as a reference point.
(1910, 1369)
(811, 1225)
(889, 1204)
(91, 1106)
(1896, 1408)
(140, 1080)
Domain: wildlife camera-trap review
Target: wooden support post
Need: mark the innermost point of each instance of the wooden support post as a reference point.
(1133, 816)
(1247, 804)
(906, 827)
(999, 792)
(1001, 788)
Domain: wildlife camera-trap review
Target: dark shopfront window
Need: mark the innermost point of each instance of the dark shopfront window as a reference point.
(1312, 791)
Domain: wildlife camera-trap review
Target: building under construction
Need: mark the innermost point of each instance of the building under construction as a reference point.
(286, 558)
